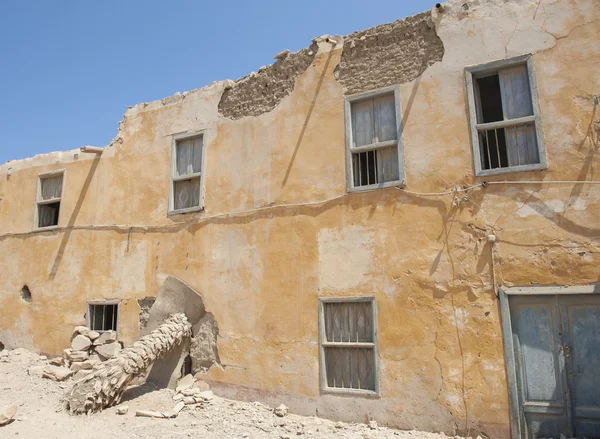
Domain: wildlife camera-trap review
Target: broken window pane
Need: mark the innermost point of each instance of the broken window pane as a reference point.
(352, 366)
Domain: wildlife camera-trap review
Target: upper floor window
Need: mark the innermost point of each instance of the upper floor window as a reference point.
(374, 151)
(186, 174)
(49, 196)
(504, 115)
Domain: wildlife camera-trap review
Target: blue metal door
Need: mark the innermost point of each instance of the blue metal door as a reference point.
(580, 323)
(557, 354)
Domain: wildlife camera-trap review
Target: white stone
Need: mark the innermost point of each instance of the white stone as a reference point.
(57, 373)
(83, 330)
(93, 335)
(373, 425)
(185, 383)
(72, 355)
(122, 410)
(106, 337)
(83, 365)
(36, 370)
(200, 384)
(81, 343)
(108, 350)
(190, 391)
(207, 396)
(280, 411)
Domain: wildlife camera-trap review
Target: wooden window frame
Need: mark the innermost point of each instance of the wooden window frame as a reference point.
(38, 198)
(174, 178)
(349, 100)
(325, 389)
(482, 70)
(88, 319)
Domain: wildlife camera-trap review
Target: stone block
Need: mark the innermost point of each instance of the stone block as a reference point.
(81, 343)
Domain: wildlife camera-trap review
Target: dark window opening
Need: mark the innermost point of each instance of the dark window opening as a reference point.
(490, 98)
(103, 317)
(186, 367)
(48, 214)
(365, 168)
(26, 293)
(492, 142)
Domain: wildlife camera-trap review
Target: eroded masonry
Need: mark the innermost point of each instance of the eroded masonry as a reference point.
(399, 225)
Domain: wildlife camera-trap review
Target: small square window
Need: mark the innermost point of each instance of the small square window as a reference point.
(374, 150)
(186, 178)
(348, 345)
(505, 122)
(103, 317)
(48, 201)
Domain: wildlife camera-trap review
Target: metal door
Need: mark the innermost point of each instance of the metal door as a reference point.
(557, 362)
(580, 322)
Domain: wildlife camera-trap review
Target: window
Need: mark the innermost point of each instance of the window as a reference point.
(374, 150)
(505, 124)
(103, 316)
(348, 336)
(186, 180)
(49, 196)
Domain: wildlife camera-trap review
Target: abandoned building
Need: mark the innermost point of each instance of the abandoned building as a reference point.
(401, 224)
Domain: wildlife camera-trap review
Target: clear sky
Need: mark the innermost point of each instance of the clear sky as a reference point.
(70, 68)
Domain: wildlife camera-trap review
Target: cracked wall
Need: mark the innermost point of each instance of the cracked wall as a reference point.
(425, 259)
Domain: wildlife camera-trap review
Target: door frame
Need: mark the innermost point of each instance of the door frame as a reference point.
(509, 352)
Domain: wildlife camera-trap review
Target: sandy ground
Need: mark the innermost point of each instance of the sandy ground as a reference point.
(40, 416)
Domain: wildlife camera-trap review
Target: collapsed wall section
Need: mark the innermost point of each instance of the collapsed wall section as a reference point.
(259, 93)
(389, 54)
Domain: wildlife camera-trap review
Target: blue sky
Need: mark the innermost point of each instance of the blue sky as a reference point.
(69, 69)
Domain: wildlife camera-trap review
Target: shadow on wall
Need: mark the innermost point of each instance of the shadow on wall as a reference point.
(65, 239)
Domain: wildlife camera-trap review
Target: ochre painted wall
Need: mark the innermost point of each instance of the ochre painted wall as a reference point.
(424, 258)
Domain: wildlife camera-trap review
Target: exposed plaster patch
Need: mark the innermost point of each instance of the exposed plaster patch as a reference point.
(259, 93)
(345, 257)
(389, 54)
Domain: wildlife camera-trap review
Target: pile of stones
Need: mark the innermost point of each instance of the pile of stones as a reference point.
(191, 390)
(88, 348)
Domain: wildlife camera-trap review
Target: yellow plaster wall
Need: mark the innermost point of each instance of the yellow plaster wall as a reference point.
(424, 258)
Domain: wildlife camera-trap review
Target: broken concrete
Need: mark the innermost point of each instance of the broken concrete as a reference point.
(145, 304)
(389, 54)
(203, 348)
(175, 296)
(259, 93)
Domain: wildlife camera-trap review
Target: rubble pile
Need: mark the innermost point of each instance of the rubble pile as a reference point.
(191, 390)
(88, 348)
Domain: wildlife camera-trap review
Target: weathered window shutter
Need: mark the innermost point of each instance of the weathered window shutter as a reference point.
(349, 345)
(373, 123)
(521, 142)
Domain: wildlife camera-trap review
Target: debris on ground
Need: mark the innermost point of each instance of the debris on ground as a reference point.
(281, 411)
(37, 400)
(8, 415)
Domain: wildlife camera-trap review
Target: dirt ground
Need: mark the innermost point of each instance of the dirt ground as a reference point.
(40, 416)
